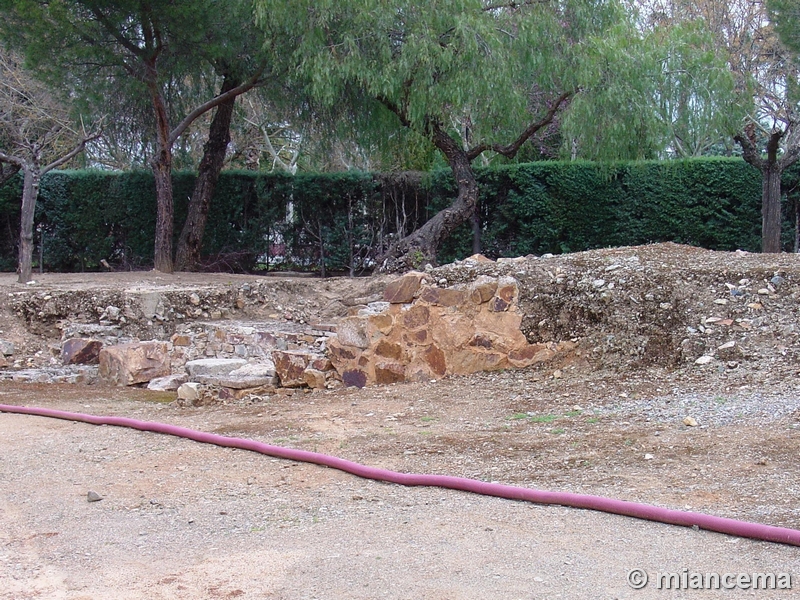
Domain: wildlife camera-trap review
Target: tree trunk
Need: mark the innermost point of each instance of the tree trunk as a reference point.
(476, 230)
(191, 240)
(30, 191)
(420, 247)
(162, 172)
(771, 209)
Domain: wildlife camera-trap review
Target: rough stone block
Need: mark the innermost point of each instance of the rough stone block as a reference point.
(352, 331)
(80, 351)
(291, 366)
(443, 296)
(247, 376)
(314, 379)
(6, 348)
(389, 372)
(402, 290)
(213, 367)
(181, 340)
(129, 364)
(189, 392)
(170, 383)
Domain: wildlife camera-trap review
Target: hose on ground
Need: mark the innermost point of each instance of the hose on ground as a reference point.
(648, 512)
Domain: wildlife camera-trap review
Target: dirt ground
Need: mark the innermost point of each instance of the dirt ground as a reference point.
(180, 519)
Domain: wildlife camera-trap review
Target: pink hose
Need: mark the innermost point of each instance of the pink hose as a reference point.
(599, 503)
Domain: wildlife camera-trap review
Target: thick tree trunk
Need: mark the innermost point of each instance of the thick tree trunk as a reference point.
(420, 247)
(191, 240)
(162, 172)
(30, 191)
(476, 230)
(771, 209)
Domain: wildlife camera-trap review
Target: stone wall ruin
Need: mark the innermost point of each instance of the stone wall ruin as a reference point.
(421, 332)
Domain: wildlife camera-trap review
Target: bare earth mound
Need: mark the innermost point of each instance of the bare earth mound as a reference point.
(665, 335)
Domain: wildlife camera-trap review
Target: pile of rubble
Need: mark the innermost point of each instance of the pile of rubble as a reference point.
(621, 308)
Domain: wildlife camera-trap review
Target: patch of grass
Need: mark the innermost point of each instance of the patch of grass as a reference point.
(593, 420)
(543, 418)
(720, 400)
(428, 419)
(558, 431)
(572, 413)
(518, 416)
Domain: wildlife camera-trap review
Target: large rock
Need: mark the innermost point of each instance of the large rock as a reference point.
(213, 367)
(80, 351)
(402, 289)
(248, 376)
(129, 364)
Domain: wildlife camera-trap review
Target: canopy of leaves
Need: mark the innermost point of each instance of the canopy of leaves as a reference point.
(104, 52)
(468, 64)
(653, 92)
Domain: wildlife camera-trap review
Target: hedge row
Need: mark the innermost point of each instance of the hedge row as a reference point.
(340, 222)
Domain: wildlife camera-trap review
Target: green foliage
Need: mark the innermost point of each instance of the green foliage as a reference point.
(560, 207)
(347, 218)
(785, 16)
(472, 68)
(663, 92)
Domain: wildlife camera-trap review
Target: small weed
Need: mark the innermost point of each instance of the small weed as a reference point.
(593, 420)
(720, 400)
(428, 419)
(572, 413)
(629, 442)
(558, 431)
(417, 258)
(518, 416)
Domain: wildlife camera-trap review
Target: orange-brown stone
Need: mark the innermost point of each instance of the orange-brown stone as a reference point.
(389, 350)
(382, 322)
(443, 296)
(389, 372)
(402, 290)
(416, 316)
(435, 359)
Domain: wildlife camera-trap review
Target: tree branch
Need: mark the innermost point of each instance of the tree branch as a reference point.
(511, 150)
(749, 150)
(72, 154)
(12, 160)
(513, 5)
(393, 107)
(254, 81)
(115, 33)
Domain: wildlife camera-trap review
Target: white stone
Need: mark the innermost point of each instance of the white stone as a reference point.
(189, 391)
(170, 383)
(213, 366)
(704, 360)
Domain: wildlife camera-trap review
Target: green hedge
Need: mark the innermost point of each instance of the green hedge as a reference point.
(276, 221)
(565, 207)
